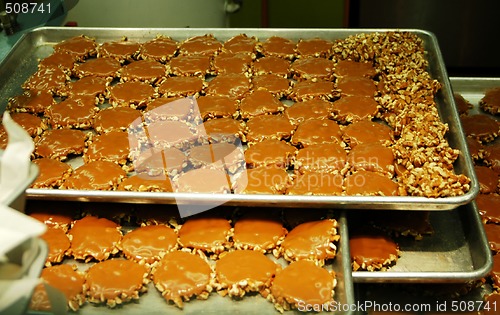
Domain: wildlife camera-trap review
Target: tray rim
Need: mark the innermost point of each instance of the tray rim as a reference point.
(340, 202)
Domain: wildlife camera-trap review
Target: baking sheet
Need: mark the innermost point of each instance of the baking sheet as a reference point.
(22, 61)
(152, 303)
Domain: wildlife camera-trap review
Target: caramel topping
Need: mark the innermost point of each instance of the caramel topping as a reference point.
(269, 127)
(482, 127)
(312, 68)
(259, 103)
(491, 99)
(227, 154)
(190, 65)
(169, 108)
(370, 183)
(358, 86)
(51, 219)
(204, 45)
(96, 175)
(213, 106)
(495, 272)
(115, 278)
(116, 118)
(58, 244)
(265, 180)
(270, 152)
(166, 161)
(77, 113)
(217, 128)
(372, 249)
(314, 47)
(349, 68)
(278, 46)
(321, 157)
(493, 234)
(160, 49)
(88, 86)
(121, 50)
(316, 131)
(317, 183)
(291, 285)
(309, 89)
(143, 70)
(112, 146)
(81, 46)
(492, 300)
(245, 265)
(58, 143)
(257, 232)
(181, 274)
(366, 131)
(204, 180)
(232, 63)
(181, 86)
(51, 173)
(170, 132)
(148, 243)
(273, 83)
(489, 207)
(373, 157)
(100, 67)
(463, 105)
(272, 65)
(204, 233)
(31, 123)
(94, 238)
(355, 108)
(311, 109)
(493, 156)
(231, 84)
(35, 102)
(240, 44)
(62, 59)
(488, 179)
(46, 79)
(311, 240)
(146, 182)
(132, 92)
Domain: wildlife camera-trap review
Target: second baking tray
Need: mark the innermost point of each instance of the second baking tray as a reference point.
(22, 60)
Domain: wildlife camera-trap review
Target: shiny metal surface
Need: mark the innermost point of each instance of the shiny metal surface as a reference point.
(22, 61)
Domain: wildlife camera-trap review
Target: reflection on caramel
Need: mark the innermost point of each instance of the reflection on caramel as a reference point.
(31, 123)
(487, 178)
(314, 47)
(316, 131)
(181, 86)
(213, 106)
(95, 175)
(291, 286)
(370, 183)
(258, 233)
(35, 102)
(270, 152)
(115, 118)
(366, 131)
(64, 279)
(321, 157)
(258, 103)
(272, 65)
(76, 112)
(87, 86)
(134, 93)
(204, 45)
(204, 180)
(481, 127)
(245, 265)
(372, 251)
(317, 183)
(312, 68)
(146, 182)
(269, 127)
(160, 49)
(309, 89)
(57, 242)
(148, 243)
(311, 109)
(209, 234)
(99, 67)
(354, 108)
(180, 275)
(373, 157)
(61, 59)
(58, 143)
(234, 85)
(359, 86)
(92, 237)
(115, 279)
(46, 79)
(240, 43)
(143, 70)
(273, 83)
(264, 180)
(277, 46)
(50, 218)
(311, 240)
(81, 46)
(120, 50)
(112, 146)
(349, 68)
(197, 65)
(232, 63)
(489, 207)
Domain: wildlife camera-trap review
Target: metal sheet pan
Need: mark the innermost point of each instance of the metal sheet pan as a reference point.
(153, 303)
(22, 61)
